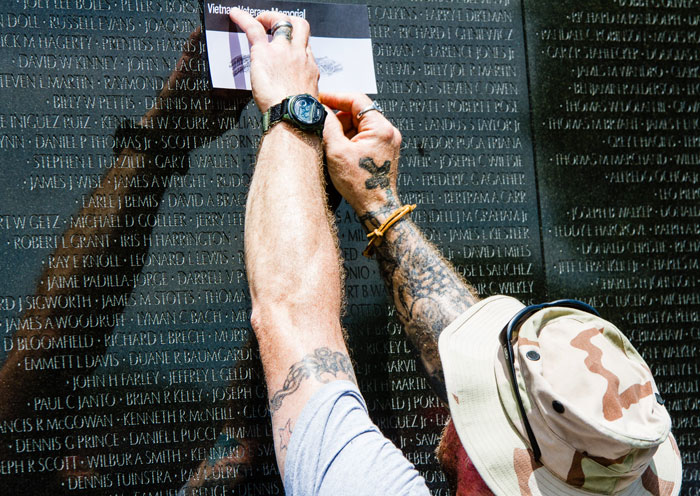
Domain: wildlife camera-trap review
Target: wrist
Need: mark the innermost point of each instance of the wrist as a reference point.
(384, 231)
(289, 137)
(288, 129)
(376, 214)
(303, 111)
(377, 209)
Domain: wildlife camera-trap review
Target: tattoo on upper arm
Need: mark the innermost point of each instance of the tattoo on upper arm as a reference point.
(285, 435)
(380, 175)
(322, 364)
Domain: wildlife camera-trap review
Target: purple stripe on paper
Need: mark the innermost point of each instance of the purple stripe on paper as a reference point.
(237, 65)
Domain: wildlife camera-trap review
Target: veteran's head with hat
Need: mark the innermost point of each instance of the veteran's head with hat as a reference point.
(553, 400)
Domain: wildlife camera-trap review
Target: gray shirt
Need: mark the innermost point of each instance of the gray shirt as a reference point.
(335, 449)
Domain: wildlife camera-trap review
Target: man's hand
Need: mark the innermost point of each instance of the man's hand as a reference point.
(362, 154)
(279, 67)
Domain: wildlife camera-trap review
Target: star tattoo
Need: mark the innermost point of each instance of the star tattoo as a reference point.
(285, 434)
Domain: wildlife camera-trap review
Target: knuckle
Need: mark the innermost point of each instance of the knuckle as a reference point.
(386, 132)
(397, 138)
(333, 153)
(336, 153)
(256, 320)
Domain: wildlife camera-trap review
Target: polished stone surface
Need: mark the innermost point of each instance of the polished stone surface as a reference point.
(551, 148)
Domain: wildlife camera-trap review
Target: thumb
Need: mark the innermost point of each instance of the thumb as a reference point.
(333, 135)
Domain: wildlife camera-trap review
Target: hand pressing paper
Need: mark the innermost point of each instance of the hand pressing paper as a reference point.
(340, 42)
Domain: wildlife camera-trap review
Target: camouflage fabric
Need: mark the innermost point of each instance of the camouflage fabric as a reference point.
(590, 399)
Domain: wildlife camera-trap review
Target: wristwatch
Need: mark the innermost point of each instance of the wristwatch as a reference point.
(302, 111)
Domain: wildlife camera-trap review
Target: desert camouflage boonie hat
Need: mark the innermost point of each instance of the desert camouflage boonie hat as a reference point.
(589, 397)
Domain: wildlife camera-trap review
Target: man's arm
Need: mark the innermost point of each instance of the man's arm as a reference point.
(363, 158)
(291, 251)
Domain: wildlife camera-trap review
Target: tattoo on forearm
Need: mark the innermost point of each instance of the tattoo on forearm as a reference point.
(322, 364)
(380, 175)
(426, 290)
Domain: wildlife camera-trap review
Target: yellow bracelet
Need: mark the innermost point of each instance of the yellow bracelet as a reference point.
(375, 237)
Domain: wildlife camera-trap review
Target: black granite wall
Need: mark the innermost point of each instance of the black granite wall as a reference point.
(552, 149)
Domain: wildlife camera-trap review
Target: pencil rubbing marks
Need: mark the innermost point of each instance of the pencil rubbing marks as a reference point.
(327, 66)
(240, 63)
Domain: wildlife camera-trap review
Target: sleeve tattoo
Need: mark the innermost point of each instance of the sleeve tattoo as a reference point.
(427, 292)
(322, 364)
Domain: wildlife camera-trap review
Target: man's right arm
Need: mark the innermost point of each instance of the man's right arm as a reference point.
(363, 157)
(426, 290)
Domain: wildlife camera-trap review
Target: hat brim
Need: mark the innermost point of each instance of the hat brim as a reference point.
(469, 347)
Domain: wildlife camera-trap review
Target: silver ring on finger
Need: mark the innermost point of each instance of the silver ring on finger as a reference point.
(373, 106)
(282, 28)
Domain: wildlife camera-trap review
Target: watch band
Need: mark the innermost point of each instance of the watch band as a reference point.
(273, 115)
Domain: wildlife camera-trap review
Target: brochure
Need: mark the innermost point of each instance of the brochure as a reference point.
(340, 42)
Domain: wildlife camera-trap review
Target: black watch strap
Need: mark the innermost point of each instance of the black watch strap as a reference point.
(273, 115)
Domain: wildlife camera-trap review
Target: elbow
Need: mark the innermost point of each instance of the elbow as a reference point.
(297, 313)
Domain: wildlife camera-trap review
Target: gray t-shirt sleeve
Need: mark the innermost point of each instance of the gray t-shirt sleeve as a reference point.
(335, 449)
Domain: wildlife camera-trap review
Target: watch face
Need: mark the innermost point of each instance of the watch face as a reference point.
(307, 110)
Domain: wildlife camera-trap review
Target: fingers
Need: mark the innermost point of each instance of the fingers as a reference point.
(333, 131)
(252, 28)
(353, 103)
(369, 124)
(347, 102)
(301, 33)
(269, 18)
(300, 30)
(345, 119)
